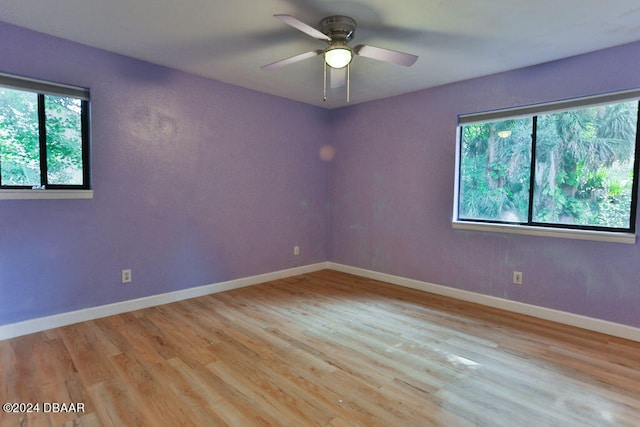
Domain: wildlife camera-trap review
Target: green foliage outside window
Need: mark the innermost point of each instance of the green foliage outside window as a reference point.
(19, 149)
(64, 140)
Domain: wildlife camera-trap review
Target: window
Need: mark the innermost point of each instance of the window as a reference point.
(44, 137)
(566, 166)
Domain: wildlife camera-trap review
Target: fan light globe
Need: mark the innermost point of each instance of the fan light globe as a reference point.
(338, 57)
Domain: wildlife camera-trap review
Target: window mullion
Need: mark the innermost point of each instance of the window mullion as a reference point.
(532, 174)
(42, 131)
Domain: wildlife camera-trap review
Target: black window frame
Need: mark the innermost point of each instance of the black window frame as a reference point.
(43, 88)
(532, 111)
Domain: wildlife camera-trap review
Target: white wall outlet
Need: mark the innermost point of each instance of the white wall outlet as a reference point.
(517, 277)
(126, 275)
(296, 250)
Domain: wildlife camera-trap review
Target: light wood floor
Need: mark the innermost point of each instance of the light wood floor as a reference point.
(323, 349)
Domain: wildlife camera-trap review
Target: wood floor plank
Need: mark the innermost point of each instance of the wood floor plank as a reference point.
(89, 357)
(116, 405)
(323, 349)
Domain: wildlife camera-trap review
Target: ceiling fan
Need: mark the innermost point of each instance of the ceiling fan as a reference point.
(338, 31)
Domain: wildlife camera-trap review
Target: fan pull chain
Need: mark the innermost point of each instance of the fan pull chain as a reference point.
(348, 81)
(324, 93)
(324, 87)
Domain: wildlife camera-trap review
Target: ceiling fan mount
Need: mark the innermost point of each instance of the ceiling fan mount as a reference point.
(339, 28)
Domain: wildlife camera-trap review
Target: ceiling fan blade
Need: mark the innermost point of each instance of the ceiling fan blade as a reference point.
(387, 55)
(292, 59)
(337, 77)
(299, 25)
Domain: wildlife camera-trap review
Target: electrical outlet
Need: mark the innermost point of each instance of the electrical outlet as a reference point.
(296, 250)
(517, 277)
(126, 275)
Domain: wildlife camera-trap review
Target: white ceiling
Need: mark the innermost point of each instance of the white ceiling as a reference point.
(229, 40)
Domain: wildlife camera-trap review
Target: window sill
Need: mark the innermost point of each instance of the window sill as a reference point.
(599, 236)
(45, 194)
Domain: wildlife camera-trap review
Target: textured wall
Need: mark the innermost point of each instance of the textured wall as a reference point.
(198, 182)
(391, 195)
(195, 182)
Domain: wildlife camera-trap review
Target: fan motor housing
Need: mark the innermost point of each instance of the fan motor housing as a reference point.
(339, 27)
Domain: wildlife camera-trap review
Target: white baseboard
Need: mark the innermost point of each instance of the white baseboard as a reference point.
(63, 319)
(584, 322)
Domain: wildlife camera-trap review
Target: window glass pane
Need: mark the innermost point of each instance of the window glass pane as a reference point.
(495, 163)
(19, 139)
(584, 166)
(64, 140)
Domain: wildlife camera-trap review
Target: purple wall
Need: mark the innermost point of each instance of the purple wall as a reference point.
(391, 195)
(198, 182)
(195, 181)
